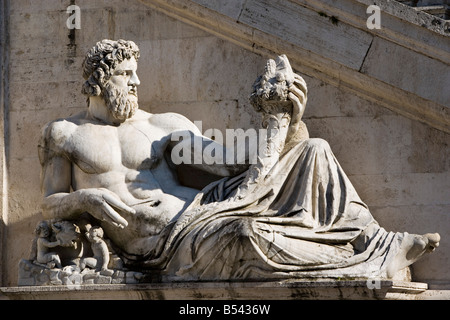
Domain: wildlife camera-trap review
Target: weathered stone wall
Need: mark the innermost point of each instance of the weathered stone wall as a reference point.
(399, 166)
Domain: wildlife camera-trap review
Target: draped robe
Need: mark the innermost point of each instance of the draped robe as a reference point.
(303, 219)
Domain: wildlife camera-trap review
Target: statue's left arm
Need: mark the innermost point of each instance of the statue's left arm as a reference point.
(189, 147)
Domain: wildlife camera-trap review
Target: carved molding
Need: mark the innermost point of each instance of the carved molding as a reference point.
(341, 62)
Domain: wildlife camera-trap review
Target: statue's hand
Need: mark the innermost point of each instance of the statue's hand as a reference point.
(298, 93)
(104, 205)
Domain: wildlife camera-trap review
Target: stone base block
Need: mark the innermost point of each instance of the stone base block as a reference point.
(275, 290)
(32, 274)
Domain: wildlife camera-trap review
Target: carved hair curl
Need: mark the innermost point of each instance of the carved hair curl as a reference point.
(101, 60)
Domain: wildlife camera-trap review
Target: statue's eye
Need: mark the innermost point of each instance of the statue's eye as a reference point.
(121, 73)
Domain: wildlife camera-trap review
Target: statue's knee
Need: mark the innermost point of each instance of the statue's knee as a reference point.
(318, 144)
(241, 227)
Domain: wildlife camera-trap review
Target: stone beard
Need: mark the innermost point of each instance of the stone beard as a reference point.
(122, 103)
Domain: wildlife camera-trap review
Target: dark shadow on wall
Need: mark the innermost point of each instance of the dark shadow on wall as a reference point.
(16, 240)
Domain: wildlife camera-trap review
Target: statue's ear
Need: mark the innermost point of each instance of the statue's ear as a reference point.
(91, 87)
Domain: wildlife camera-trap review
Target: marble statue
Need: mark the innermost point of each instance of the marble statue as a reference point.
(292, 214)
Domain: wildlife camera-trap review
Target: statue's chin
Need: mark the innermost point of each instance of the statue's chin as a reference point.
(128, 112)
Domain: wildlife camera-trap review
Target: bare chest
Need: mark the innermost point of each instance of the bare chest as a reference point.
(100, 149)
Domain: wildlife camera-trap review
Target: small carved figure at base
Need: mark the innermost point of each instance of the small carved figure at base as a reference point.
(100, 259)
(43, 244)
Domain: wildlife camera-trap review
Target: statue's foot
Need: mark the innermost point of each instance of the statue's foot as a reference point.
(423, 244)
(412, 249)
(107, 272)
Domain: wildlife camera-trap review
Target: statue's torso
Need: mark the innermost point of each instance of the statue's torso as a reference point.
(129, 161)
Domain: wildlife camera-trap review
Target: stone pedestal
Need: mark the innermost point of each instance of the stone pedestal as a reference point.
(32, 274)
(321, 289)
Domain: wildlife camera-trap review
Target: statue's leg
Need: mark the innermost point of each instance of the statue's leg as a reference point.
(89, 262)
(52, 258)
(412, 247)
(57, 261)
(361, 242)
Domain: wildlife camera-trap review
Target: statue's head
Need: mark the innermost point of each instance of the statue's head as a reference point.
(42, 229)
(94, 234)
(109, 69)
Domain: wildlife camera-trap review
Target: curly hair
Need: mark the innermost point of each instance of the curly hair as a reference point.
(101, 60)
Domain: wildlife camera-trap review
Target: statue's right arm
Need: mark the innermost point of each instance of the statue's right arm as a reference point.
(56, 181)
(50, 244)
(56, 174)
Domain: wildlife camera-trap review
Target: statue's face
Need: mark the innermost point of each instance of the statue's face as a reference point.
(45, 232)
(94, 234)
(125, 76)
(120, 91)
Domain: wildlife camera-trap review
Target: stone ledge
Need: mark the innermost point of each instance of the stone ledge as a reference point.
(277, 290)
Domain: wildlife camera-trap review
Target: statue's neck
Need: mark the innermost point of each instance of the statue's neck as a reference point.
(99, 111)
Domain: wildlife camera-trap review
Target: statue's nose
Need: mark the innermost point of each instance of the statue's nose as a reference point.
(134, 80)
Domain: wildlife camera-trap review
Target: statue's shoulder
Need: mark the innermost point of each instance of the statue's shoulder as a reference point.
(55, 133)
(173, 122)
